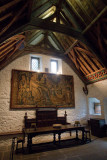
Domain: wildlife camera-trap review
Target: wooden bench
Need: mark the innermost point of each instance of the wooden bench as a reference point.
(45, 118)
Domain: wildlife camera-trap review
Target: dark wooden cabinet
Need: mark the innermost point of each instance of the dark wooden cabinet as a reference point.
(98, 127)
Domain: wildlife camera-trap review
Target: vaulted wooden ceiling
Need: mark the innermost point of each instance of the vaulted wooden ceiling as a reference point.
(74, 30)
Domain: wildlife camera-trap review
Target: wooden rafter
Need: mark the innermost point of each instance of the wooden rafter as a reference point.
(41, 9)
(90, 61)
(71, 64)
(76, 12)
(7, 49)
(30, 3)
(86, 29)
(16, 48)
(35, 36)
(83, 67)
(80, 56)
(6, 44)
(44, 50)
(95, 20)
(83, 9)
(83, 60)
(58, 9)
(8, 5)
(50, 17)
(2, 52)
(5, 16)
(92, 8)
(74, 58)
(85, 51)
(97, 63)
(6, 53)
(67, 19)
(64, 20)
(56, 41)
(14, 19)
(40, 23)
(71, 47)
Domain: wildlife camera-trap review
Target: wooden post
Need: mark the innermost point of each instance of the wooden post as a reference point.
(65, 115)
(25, 118)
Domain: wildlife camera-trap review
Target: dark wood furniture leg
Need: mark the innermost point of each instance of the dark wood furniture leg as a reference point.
(76, 134)
(30, 143)
(83, 136)
(54, 138)
(59, 137)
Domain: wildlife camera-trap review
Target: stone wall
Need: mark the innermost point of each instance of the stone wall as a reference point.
(12, 119)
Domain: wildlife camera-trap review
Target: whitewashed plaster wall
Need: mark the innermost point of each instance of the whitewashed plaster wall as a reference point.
(98, 90)
(12, 120)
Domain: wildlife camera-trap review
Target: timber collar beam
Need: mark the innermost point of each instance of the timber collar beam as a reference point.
(56, 27)
(37, 23)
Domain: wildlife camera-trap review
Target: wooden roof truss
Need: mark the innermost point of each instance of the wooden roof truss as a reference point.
(73, 30)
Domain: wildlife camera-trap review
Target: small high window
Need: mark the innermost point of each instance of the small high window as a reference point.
(97, 108)
(94, 106)
(54, 66)
(35, 63)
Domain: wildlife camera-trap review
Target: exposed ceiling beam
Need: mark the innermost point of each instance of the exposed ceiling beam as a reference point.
(41, 9)
(14, 19)
(50, 17)
(85, 51)
(40, 23)
(71, 47)
(72, 8)
(71, 64)
(8, 5)
(5, 16)
(87, 28)
(95, 20)
(74, 58)
(92, 7)
(83, 66)
(94, 66)
(44, 50)
(78, 2)
(30, 3)
(35, 36)
(56, 41)
(58, 9)
(66, 20)
(86, 63)
(2, 52)
(68, 14)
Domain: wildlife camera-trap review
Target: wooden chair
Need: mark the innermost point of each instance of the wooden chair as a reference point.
(21, 140)
(87, 135)
(87, 130)
(77, 123)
